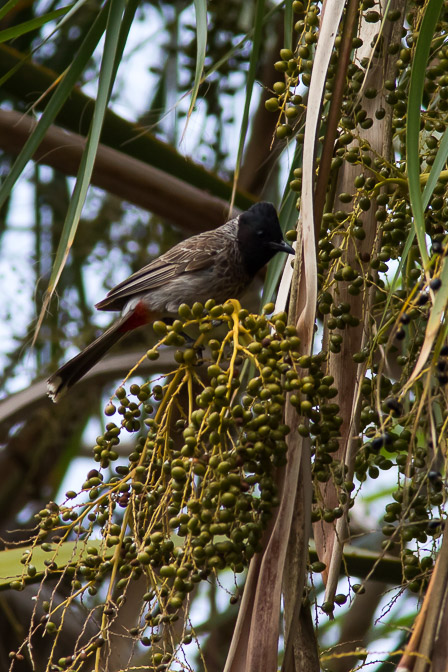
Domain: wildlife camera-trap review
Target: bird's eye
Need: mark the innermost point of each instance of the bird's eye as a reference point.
(260, 234)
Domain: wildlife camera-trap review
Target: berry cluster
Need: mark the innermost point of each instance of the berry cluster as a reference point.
(199, 484)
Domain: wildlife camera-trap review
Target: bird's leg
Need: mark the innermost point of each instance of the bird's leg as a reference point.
(199, 354)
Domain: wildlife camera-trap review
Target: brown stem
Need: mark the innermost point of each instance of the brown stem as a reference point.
(334, 113)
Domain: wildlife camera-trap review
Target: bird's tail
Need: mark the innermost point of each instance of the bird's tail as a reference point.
(76, 368)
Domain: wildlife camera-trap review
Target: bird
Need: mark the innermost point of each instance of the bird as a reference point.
(218, 264)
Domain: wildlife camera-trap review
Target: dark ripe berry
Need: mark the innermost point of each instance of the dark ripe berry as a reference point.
(422, 299)
(394, 405)
(435, 284)
(444, 351)
(442, 365)
(400, 335)
(434, 476)
(405, 319)
(437, 247)
(434, 526)
(385, 439)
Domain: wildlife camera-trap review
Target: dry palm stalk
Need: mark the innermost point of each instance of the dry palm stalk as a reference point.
(348, 375)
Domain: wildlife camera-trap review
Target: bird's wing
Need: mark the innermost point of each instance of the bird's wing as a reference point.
(193, 254)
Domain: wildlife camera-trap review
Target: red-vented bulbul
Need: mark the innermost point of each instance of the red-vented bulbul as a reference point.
(216, 264)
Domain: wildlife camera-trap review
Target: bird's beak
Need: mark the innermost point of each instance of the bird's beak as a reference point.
(282, 246)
